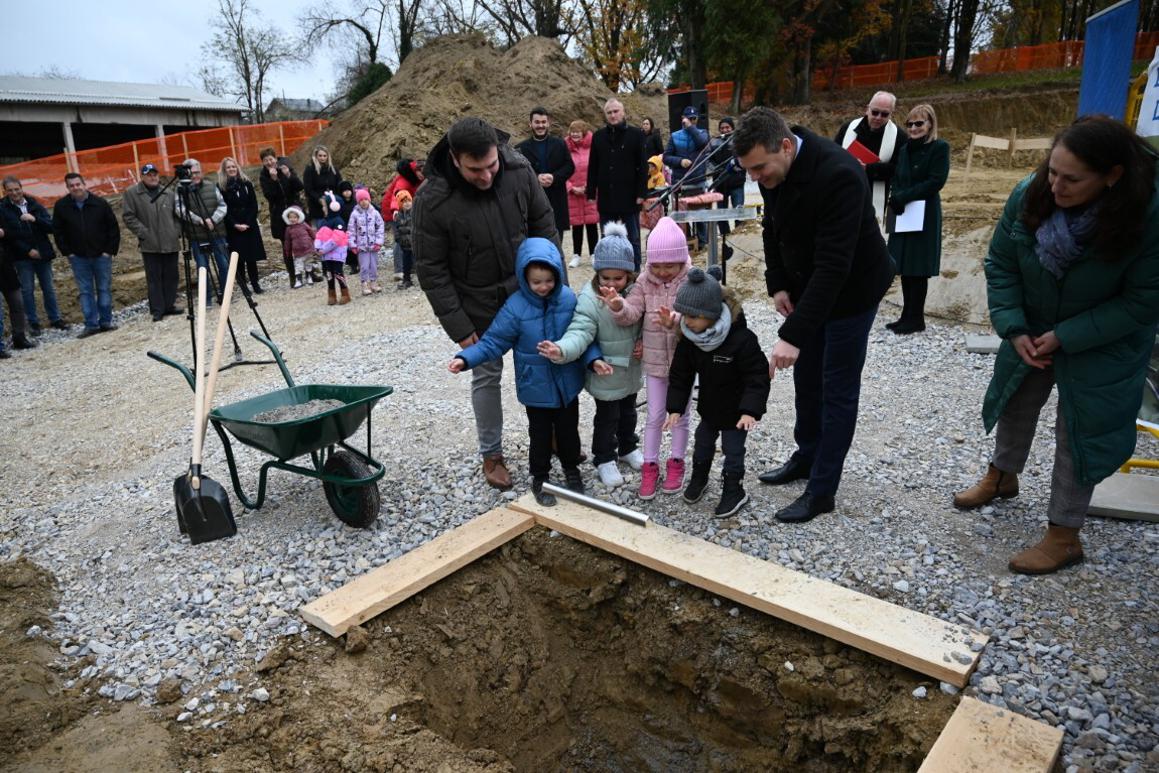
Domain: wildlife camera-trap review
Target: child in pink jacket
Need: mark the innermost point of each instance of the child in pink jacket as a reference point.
(665, 272)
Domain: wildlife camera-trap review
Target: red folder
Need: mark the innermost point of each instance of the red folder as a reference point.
(862, 153)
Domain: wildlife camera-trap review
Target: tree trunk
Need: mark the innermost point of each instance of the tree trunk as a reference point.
(802, 67)
(944, 42)
(906, 8)
(964, 39)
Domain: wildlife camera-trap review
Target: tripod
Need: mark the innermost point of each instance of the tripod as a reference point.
(212, 273)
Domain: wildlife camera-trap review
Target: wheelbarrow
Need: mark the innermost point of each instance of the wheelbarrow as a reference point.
(349, 476)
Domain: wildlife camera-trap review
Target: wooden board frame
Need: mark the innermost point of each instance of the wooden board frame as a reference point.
(978, 736)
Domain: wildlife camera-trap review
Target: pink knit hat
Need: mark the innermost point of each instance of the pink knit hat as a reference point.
(361, 194)
(666, 243)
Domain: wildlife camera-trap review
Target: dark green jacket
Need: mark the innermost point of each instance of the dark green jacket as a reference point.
(922, 169)
(1104, 314)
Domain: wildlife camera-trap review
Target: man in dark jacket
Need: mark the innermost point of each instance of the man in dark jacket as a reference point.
(878, 134)
(826, 268)
(479, 201)
(551, 161)
(27, 227)
(10, 289)
(618, 172)
(148, 211)
(86, 231)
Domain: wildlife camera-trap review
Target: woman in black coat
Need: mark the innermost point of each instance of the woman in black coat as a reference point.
(241, 220)
(653, 139)
(282, 189)
(320, 176)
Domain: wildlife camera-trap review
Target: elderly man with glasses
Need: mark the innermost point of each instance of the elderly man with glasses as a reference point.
(875, 141)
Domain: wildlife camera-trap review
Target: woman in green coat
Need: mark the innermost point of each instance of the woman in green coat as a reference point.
(1072, 279)
(923, 164)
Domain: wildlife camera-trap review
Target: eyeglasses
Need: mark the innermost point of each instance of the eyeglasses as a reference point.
(914, 124)
(879, 113)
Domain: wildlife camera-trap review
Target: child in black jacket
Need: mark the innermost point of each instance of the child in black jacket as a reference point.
(717, 346)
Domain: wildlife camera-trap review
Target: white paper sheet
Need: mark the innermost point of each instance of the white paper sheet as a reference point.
(912, 219)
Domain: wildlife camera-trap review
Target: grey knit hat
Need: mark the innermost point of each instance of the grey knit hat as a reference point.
(699, 296)
(614, 251)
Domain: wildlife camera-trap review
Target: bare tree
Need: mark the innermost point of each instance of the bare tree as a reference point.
(454, 17)
(366, 22)
(250, 49)
(518, 19)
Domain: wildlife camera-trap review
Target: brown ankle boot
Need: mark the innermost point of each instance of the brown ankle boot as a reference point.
(495, 471)
(345, 296)
(331, 297)
(994, 484)
(1059, 549)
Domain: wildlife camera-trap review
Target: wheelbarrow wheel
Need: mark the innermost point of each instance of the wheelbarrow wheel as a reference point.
(356, 506)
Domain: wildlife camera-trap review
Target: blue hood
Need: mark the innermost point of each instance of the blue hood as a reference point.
(538, 250)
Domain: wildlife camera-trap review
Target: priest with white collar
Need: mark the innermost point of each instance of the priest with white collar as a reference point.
(879, 135)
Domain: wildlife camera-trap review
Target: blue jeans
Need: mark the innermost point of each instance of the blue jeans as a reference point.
(220, 257)
(94, 280)
(41, 271)
(827, 382)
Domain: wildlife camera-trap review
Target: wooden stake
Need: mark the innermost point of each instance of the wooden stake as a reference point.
(1013, 142)
(282, 138)
(970, 155)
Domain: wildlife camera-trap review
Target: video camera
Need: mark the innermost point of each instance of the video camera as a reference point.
(183, 173)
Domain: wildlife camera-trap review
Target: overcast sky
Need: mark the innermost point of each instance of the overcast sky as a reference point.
(143, 42)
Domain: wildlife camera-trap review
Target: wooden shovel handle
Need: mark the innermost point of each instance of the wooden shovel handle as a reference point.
(219, 339)
(199, 374)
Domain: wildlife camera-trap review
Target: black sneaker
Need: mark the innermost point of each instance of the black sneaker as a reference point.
(22, 342)
(542, 497)
(698, 482)
(60, 324)
(88, 331)
(574, 480)
(35, 330)
(732, 498)
(108, 328)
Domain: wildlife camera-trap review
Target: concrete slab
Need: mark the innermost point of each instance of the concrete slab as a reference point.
(1132, 496)
(982, 344)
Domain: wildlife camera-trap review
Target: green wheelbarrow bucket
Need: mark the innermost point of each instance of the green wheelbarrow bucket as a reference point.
(297, 437)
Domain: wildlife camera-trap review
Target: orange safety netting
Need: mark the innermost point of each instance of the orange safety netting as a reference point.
(109, 170)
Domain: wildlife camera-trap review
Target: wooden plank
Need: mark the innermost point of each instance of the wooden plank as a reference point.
(394, 582)
(997, 143)
(982, 344)
(970, 154)
(980, 738)
(1039, 143)
(915, 640)
(1133, 496)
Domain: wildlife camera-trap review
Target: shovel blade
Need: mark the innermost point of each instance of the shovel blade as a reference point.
(205, 514)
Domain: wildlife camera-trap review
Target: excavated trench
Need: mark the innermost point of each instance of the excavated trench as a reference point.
(550, 655)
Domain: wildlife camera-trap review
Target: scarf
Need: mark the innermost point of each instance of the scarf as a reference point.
(713, 336)
(1060, 240)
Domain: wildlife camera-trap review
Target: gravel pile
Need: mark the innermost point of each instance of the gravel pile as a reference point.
(86, 487)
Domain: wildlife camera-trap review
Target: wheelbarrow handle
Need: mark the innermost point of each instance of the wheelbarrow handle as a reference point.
(173, 364)
(277, 356)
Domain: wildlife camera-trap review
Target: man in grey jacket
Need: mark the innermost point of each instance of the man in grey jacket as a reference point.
(149, 212)
(206, 218)
(480, 200)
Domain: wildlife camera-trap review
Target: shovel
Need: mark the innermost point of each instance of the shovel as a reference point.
(203, 509)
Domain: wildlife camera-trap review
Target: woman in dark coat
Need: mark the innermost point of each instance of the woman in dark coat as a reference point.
(320, 176)
(241, 220)
(1072, 279)
(923, 164)
(653, 139)
(282, 190)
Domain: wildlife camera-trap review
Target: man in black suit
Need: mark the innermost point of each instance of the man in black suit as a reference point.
(551, 160)
(826, 268)
(618, 173)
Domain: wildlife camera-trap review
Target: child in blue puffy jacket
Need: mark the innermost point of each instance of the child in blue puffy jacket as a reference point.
(540, 311)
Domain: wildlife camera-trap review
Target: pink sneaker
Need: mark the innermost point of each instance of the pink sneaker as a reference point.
(673, 477)
(649, 477)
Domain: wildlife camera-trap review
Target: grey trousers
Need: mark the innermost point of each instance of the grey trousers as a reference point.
(1069, 499)
(487, 402)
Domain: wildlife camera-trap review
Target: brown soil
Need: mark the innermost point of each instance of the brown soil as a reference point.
(548, 655)
(465, 75)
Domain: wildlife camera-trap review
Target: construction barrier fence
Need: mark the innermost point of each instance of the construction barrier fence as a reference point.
(109, 170)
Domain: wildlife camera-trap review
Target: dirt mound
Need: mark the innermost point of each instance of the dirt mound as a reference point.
(455, 76)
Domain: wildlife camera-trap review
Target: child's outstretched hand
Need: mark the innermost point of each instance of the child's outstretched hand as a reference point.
(746, 422)
(550, 350)
(612, 298)
(670, 422)
(457, 364)
(638, 349)
(667, 317)
(602, 368)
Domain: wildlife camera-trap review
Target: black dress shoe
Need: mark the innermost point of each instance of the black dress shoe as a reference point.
(893, 325)
(88, 331)
(21, 342)
(158, 317)
(806, 507)
(60, 324)
(907, 326)
(792, 470)
(108, 328)
(5, 354)
(35, 330)
(173, 310)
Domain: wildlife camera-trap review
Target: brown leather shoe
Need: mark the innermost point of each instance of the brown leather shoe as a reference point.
(331, 297)
(994, 484)
(495, 471)
(1059, 549)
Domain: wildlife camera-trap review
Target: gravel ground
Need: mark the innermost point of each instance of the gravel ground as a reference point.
(87, 470)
